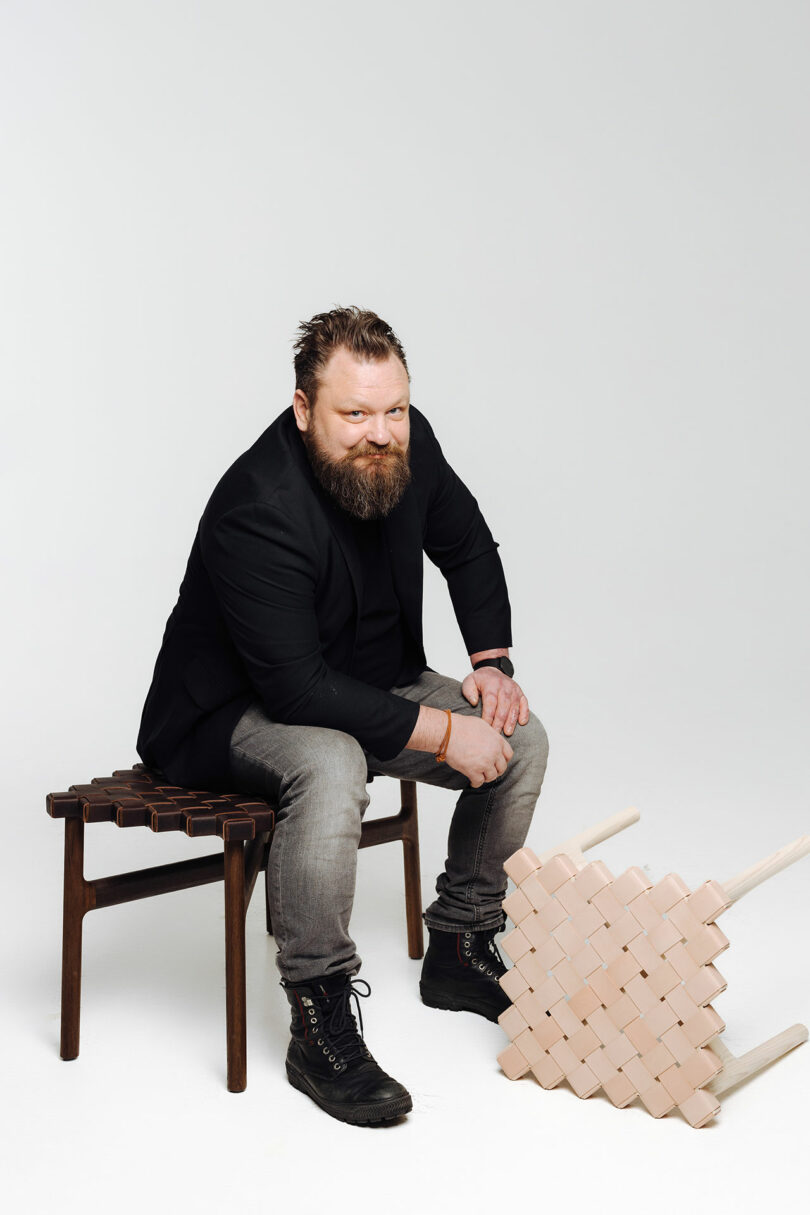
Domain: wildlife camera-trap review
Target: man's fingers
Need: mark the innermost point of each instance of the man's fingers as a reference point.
(499, 720)
(469, 690)
(511, 720)
(524, 711)
(506, 750)
(490, 703)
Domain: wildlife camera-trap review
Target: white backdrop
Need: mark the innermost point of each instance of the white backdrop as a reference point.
(587, 223)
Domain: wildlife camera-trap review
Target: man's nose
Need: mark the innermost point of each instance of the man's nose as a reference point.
(378, 432)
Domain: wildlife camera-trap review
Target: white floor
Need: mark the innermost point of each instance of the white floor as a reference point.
(142, 1119)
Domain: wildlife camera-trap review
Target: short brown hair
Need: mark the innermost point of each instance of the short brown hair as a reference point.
(361, 332)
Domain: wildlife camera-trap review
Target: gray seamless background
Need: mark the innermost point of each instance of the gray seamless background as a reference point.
(588, 224)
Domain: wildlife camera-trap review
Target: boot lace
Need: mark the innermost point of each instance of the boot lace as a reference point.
(340, 1026)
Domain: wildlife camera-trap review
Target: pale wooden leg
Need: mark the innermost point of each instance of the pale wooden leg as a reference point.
(737, 886)
(739, 1068)
(577, 844)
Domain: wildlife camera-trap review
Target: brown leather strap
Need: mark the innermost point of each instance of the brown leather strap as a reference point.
(441, 754)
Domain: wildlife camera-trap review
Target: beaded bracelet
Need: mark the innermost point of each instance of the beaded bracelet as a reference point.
(441, 754)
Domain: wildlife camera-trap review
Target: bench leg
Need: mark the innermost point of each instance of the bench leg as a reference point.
(255, 861)
(413, 876)
(235, 1000)
(74, 907)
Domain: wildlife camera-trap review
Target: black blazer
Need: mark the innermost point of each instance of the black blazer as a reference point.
(269, 605)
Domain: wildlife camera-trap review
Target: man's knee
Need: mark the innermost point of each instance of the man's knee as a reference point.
(530, 745)
(335, 764)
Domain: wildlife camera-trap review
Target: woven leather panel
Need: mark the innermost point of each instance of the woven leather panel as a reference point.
(611, 984)
(141, 796)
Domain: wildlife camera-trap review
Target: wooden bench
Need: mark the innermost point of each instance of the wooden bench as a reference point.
(142, 797)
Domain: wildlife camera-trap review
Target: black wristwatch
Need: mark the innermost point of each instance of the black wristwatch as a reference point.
(503, 664)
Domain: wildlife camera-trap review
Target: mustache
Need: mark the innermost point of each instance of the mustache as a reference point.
(375, 449)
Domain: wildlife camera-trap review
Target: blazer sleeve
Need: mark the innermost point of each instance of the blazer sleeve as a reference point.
(265, 581)
(458, 541)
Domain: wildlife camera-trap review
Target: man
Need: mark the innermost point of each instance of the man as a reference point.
(292, 667)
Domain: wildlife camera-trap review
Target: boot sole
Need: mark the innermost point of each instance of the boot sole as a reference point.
(454, 1003)
(359, 1114)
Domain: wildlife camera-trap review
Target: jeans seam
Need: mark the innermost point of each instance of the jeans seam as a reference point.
(479, 852)
(276, 854)
(279, 932)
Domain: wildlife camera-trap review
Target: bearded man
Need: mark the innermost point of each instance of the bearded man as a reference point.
(292, 667)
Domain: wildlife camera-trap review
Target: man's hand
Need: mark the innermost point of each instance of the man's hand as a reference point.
(503, 703)
(477, 750)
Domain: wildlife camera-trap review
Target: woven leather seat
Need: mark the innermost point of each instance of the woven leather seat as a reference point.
(141, 796)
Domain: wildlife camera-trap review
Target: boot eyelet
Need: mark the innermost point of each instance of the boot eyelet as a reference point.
(320, 1042)
(331, 1058)
(337, 1067)
(326, 1050)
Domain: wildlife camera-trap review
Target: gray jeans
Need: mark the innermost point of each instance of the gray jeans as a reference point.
(316, 778)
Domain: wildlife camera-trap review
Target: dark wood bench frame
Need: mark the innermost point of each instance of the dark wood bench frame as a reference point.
(238, 866)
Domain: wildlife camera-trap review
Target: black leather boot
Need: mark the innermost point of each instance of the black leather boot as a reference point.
(461, 972)
(327, 1058)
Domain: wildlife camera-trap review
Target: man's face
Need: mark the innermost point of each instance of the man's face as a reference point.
(357, 435)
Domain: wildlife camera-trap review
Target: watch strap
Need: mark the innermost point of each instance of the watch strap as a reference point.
(499, 662)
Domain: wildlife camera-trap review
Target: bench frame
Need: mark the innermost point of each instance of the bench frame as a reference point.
(238, 866)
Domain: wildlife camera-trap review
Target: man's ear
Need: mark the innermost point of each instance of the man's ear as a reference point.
(301, 408)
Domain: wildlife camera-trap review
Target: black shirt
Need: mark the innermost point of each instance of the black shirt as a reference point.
(380, 649)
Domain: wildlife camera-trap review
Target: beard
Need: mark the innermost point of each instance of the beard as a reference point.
(367, 490)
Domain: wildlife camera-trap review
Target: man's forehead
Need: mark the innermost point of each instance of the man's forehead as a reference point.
(358, 379)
